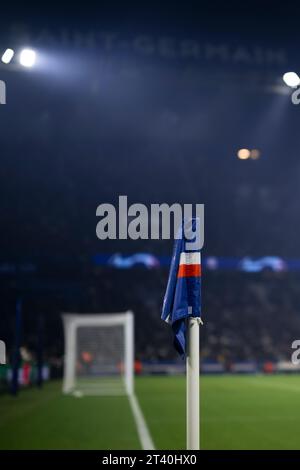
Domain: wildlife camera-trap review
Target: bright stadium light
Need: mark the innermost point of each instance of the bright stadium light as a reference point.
(243, 154)
(7, 56)
(27, 57)
(291, 79)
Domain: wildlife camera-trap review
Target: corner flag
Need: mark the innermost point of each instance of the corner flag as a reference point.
(182, 309)
(183, 294)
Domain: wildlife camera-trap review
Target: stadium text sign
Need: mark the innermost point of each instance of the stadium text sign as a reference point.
(2, 352)
(138, 222)
(165, 47)
(2, 92)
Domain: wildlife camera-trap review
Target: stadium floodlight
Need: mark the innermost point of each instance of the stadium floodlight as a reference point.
(27, 57)
(7, 56)
(243, 154)
(291, 79)
(99, 354)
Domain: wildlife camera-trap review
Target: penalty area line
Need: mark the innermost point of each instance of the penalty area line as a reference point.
(142, 428)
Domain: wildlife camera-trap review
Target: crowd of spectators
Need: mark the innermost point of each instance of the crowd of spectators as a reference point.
(247, 317)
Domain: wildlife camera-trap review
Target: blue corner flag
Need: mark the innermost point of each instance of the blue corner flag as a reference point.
(183, 294)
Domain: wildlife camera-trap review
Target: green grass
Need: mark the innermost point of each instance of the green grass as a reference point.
(46, 419)
(253, 412)
(261, 412)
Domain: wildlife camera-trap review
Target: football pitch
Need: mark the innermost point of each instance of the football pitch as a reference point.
(237, 412)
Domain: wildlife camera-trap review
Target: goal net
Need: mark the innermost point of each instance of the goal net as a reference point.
(99, 353)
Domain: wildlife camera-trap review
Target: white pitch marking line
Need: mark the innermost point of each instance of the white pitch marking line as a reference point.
(142, 429)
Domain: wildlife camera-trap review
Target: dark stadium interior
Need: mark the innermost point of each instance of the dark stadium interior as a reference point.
(148, 114)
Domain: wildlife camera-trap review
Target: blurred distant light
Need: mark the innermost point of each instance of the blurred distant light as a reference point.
(243, 154)
(291, 79)
(254, 154)
(7, 56)
(27, 57)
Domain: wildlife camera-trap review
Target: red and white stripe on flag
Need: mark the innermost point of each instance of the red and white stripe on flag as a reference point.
(189, 264)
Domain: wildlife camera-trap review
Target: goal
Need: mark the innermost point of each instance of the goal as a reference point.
(99, 354)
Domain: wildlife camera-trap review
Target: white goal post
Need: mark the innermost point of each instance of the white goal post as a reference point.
(99, 354)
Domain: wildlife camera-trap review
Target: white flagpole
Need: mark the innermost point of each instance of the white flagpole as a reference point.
(193, 383)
